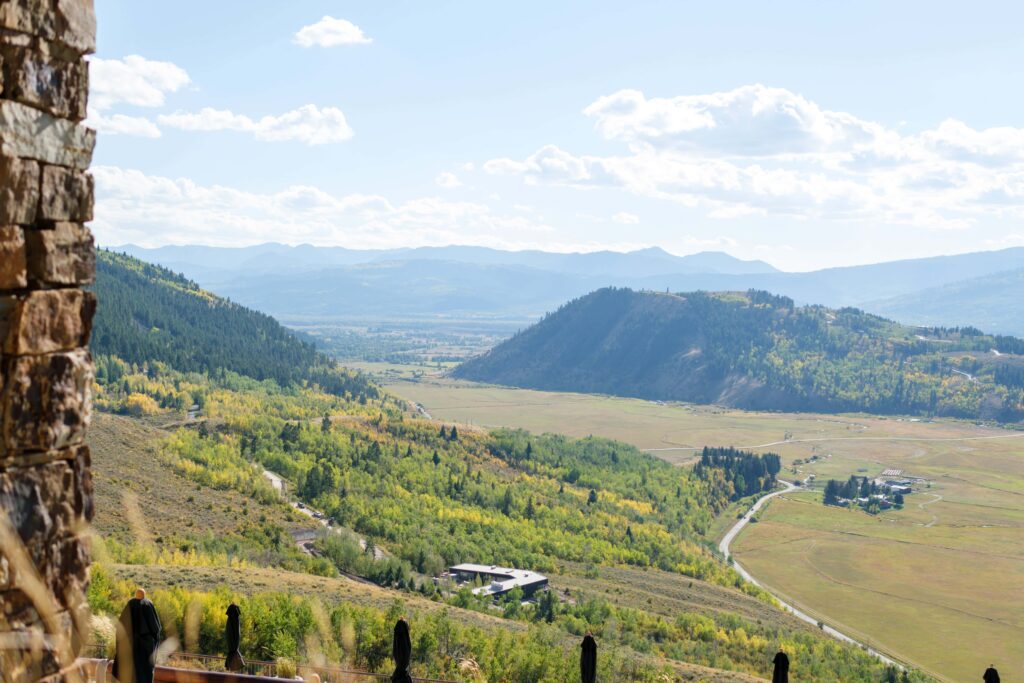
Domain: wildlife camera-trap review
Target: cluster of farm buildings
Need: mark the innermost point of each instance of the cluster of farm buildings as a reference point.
(885, 491)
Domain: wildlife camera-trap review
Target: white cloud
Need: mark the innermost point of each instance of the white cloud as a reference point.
(309, 124)
(137, 81)
(133, 80)
(752, 120)
(150, 210)
(329, 32)
(121, 124)
(447, 180)
(626, 218)
(768, 151)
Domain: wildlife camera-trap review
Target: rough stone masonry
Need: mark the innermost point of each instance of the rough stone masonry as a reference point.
(46, 256)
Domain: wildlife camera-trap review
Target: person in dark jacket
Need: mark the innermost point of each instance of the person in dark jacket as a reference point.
(233, 634)
(991, 675)
(781, 671)
(138, 634)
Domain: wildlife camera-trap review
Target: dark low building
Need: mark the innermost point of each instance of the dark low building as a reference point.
(498, 580)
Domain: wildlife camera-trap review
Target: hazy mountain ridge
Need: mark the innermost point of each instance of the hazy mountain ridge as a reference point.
(337, 283)
(147, 313)
(757, 351)
(273, 256)
(992, 302)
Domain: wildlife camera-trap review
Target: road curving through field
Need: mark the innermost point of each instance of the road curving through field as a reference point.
(723, 547)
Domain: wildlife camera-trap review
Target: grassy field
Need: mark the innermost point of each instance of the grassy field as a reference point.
(389, 372)
(939, 584)
(674, 431)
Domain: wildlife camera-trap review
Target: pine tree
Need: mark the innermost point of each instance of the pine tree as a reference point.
(547, 607)
(831, 496)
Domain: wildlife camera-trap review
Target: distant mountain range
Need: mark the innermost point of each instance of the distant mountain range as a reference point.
(756, 350)
(989, 302)
(149, 314)
(305, 282)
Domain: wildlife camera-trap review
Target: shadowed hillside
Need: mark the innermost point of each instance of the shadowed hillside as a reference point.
(758, 351)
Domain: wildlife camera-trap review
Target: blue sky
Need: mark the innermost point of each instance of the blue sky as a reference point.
(806, 134)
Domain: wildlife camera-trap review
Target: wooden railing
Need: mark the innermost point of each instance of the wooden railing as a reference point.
(258, 669)
(195, 668)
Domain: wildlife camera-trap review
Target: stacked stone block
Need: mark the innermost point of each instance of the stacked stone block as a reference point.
(46, 256)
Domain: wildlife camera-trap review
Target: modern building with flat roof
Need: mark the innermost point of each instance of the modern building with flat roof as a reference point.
(499, 580)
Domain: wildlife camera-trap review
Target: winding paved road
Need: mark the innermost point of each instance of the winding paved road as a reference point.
(724, 548)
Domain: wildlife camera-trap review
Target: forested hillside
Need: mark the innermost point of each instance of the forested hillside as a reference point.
(434, 497)
(427, 495)
(148, 313)
(759, 351)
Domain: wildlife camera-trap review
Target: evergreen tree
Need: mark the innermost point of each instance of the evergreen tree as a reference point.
(547, 607)
(831, 495)
(507, 502)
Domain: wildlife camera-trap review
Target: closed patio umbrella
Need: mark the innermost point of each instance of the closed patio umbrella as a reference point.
(233, 636)
(588, 659)
(991, 675)
(402, 653)
(781, 673)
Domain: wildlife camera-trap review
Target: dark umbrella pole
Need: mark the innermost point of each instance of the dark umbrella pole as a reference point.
(588, 659)
(402, 653)
(233, 637)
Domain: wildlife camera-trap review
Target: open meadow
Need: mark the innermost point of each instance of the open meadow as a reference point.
(939, 584)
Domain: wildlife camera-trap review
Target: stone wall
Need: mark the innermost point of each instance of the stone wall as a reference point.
(46, 255)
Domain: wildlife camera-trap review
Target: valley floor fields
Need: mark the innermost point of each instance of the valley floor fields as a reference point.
(939, 584)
